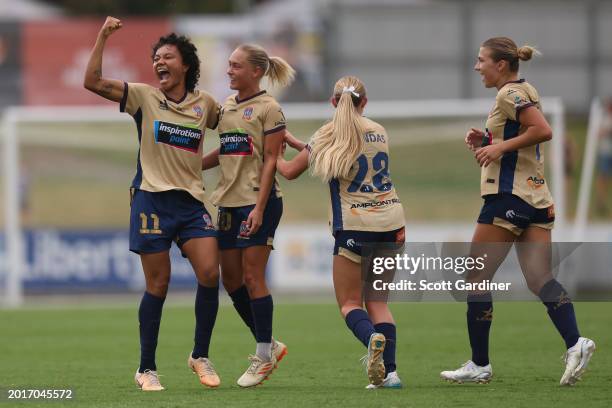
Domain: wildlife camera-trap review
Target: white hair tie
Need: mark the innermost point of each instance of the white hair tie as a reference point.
(351, 90)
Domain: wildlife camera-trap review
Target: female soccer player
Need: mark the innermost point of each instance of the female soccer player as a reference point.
(167, 191)
(251, 131)
(517, 208)
(351, 153)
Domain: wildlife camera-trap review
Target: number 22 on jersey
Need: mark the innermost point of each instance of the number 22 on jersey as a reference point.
(380, 180)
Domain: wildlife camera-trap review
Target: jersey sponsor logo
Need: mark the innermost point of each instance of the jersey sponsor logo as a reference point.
(374, 137)
(197, 109)
(184, 137)
(236, 142)
(535, 182)
(248, 113)
(375, 204)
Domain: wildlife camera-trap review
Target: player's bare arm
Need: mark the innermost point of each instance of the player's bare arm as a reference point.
(111, 89)
(294, 142)
(293, 168)
(211, 159)
(272, 146)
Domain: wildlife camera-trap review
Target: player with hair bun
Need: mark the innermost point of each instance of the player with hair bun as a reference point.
(351, 153)
(518, 207)
(251, 131)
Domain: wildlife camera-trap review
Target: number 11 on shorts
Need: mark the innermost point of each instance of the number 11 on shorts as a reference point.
(144, 226)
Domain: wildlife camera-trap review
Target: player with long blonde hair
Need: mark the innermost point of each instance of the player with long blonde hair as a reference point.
(351, 153)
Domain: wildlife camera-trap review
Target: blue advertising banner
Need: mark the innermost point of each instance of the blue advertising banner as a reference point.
(60, 261)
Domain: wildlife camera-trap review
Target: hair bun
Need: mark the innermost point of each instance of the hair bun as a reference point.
(526, 52)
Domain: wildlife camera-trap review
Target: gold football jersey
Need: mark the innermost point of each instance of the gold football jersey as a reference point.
(170, 135)
(519, 172)
(243, 127)
(366, 200)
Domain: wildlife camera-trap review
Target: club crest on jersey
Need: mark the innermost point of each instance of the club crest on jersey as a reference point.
(184, 137)
(236, 142)
(519, 101)
(208, 225)
(248, 113)
(197, 109)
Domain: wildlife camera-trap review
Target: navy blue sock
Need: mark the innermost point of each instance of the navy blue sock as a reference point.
(206, 307)
(388, 330)
(360, 324)
(479, 319)
(149, 317)
(262, 309)
(242, 304)
(561, 311)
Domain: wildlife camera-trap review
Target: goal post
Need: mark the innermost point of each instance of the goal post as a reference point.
(432, 110)
(588, 169)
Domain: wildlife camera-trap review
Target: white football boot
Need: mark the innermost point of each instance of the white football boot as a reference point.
(577, 358)
(469, 372)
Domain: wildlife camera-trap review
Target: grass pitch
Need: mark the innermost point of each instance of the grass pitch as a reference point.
(94, 351)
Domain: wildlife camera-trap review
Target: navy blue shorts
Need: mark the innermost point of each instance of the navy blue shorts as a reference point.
(231, 220)
(157, 219)
(514, 214)
(348, 243)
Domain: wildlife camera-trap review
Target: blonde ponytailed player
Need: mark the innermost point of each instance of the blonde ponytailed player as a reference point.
(251, 132)
(517, 208)
(351, 153)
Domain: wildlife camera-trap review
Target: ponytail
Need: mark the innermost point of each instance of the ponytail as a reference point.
(280, 72)
(337, 145)
(275, 68)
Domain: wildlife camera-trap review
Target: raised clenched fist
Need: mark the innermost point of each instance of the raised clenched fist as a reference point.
(111, 25)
